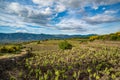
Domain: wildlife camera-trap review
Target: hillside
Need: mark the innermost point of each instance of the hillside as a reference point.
(111, 37)
(96, 60)
(64, 59)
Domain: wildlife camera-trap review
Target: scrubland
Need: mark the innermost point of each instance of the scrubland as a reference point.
(87, 60)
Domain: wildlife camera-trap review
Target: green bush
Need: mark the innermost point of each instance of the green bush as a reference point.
(92, 38)
(65, 45)
(39, 42)
(113, 37)
(9, 49)
(3, 50)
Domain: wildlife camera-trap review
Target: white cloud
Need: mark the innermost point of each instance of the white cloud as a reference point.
(43, 11)
(72, 24)
(102, 18)
(75, 3)
(23, 31)
(27, 14)
(82, 3)
(10, 20)
(60, 8)
(28, 10)
(110, 12)
(95, 7)
(43, 2)
(47, 11)
(15, 7)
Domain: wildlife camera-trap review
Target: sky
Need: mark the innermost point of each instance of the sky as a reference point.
(60, 16)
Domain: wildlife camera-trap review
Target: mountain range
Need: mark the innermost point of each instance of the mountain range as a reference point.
(18, 37)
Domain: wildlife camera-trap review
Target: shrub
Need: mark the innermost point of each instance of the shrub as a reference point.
(92, 38)
(39, 42)
(65, 45)
(3, 50)
(113, 37)
(9, 49)
(17, 48)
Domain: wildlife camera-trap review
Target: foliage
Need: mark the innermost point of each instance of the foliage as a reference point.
(112, 36)
(98, 60)
(39, 42)
(93, 62)
(9, 49)
(92, 38)
(65, 45)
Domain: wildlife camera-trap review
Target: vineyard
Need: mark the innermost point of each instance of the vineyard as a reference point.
(97, 60)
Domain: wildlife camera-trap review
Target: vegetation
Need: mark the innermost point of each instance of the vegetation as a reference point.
(65, 45)
(93, 60)
(87, 60)
(38, 42)
(9, 48)
(113, 36)
(92, 38)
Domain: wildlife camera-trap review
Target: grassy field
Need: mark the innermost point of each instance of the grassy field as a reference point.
(97, 60)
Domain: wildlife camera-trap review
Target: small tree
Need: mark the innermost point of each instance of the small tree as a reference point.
(65, 45)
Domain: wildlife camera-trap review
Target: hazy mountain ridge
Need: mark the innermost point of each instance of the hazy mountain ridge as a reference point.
(6, 37)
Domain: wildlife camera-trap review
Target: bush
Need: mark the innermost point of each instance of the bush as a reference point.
(3, 50)
(92, 38)
(65, 45)
(113, 37)
(9, 49)
(39, 42)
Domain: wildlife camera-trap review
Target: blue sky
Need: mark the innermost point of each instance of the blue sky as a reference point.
(60, 16)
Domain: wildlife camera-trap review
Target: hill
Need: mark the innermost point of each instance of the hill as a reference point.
(91, 60)
(110, 37)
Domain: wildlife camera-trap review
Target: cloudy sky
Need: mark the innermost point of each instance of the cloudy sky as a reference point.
(60, 16)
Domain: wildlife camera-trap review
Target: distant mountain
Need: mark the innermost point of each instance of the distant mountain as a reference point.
(8, 37)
